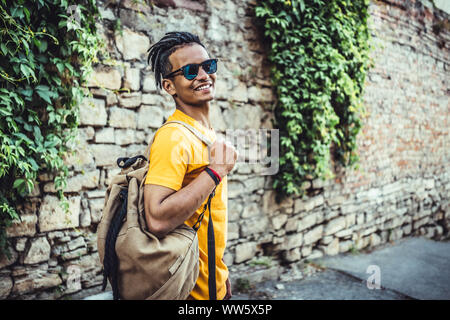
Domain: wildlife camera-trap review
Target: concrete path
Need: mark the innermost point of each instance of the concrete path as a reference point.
(410, 268)
(416, 267)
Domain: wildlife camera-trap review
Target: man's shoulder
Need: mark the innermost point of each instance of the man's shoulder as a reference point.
(173, 136)
(173, 132)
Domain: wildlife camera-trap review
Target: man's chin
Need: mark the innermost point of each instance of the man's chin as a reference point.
(207, 98)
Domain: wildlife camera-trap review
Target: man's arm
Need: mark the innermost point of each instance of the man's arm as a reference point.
(166, 209)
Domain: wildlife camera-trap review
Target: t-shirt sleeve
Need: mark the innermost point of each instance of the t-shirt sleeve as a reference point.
(169, 158)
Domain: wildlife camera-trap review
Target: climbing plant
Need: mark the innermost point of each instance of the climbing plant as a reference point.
(319, 52)
(47, 48)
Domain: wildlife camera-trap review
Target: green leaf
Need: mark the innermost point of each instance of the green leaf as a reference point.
(3, 48)
(18, 183)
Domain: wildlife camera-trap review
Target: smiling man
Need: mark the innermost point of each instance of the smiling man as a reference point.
(182, 169)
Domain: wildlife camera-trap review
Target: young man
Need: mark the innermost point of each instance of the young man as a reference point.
(177, 184)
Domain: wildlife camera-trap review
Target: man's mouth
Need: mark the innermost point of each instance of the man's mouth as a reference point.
(203, 87)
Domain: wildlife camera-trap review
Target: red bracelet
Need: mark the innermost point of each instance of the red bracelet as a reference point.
(216, 174)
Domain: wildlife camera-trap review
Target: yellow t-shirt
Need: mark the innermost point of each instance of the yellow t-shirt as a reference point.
(177, 157)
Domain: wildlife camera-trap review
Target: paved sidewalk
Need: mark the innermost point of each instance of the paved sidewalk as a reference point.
(410, 268)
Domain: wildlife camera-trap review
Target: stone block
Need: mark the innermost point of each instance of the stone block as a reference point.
(257, 94)
(35, 281)
(130, 100)
(52, 216)
(254, 226)
(428, 184)
(270, 205)
(234, 210)
(26, 226)
(375, 240)
(6, 261)
(39, 251)
(93, 112)
(6, 285)
(345, 246)
(124, 136)
(292, 255)
(313, 235)
(106, 154)
(278, 221)
(315, 254)
(132, 79)
(76, 183)
(332, 248)
(245, 251)
(292, 241)
(292, 224)
(335, 225)
(104, 135)
(81, 158)
(122, 118)
(85, 218)
(132, 45)
(217, 120)
(76, 243)
(96, 208)
(235, 189)
(306, 251)
(150, 117)
(350, 220)
(149, 83)
(251, 210)
(108, 78)
(233, 231)
(254, 184)
(234, 119)
(309, 204)
(307, 221)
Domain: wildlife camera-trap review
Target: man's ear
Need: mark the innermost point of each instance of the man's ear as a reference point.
(169, 86)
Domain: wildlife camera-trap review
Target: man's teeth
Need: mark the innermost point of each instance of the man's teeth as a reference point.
(203, 87)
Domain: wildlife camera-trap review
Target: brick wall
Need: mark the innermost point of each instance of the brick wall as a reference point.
(402, 187)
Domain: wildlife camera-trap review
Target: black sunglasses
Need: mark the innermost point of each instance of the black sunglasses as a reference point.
(190, 71)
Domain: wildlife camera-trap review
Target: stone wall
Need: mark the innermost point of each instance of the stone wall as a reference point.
(401, 188)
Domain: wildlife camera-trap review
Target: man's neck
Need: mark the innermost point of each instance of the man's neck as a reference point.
(199, 113)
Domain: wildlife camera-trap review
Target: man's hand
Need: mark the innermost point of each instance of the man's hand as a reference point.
(222, 157)
(229, 294)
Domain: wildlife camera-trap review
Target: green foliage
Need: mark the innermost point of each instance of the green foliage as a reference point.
(46, 54)
(319, 51)
(264, 261)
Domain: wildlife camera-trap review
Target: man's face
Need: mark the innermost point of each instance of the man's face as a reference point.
(188, 90)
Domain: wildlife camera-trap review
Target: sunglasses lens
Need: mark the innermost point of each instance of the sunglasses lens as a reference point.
(210, 66)
(191, 71)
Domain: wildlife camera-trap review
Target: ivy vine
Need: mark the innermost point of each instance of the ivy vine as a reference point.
(319, 52)
(47, 48)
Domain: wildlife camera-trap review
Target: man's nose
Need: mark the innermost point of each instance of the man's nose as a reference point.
(202, 74)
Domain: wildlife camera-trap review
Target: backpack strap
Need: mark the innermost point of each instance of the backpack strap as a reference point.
(197, 133)
(211, 257)
(110, 263)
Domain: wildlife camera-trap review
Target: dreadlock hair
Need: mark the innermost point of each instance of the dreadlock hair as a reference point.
(160, 52)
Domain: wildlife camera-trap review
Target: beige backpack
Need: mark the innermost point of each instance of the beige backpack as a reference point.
(138, 264)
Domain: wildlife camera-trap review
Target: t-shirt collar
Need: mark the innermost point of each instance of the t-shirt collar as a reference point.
(181, 116)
